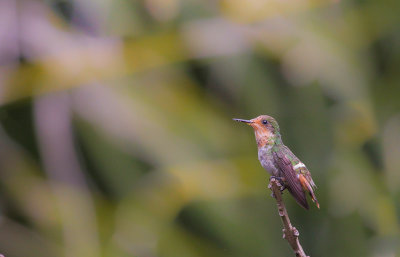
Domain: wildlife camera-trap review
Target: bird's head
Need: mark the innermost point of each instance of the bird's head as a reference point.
(265, 128)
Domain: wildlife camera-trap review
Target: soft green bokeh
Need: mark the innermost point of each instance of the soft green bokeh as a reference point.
(117, 138)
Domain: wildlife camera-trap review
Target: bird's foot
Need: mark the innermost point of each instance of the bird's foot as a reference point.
(281, 182)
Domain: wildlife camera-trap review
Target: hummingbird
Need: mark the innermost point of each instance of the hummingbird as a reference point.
(279, 160)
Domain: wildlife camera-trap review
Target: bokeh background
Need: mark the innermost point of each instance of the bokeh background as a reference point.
(116, 136)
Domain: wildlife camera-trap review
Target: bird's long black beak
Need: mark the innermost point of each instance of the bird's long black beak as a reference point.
(245, 121)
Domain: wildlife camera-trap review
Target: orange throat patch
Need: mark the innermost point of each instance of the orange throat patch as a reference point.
(263, 136)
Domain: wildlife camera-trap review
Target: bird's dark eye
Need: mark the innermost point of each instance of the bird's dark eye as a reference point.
(264, 121)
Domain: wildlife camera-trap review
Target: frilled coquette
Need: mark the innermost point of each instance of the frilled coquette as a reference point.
(279, 161)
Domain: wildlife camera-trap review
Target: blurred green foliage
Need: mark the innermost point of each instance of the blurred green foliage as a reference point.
(116, 136)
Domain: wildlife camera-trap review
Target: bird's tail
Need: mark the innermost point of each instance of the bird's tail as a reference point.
(314, 198)
(307, 187)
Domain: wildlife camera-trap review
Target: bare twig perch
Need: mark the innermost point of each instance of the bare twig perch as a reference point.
(290, 233)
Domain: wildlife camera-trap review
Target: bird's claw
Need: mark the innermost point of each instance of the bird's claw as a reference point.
(280, 182)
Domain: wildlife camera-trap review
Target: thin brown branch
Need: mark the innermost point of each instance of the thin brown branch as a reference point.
(290, 233)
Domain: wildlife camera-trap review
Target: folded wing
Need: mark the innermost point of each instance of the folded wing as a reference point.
(293, 183)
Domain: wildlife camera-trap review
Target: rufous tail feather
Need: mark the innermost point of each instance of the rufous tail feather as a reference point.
(307, 187)
(313, 198)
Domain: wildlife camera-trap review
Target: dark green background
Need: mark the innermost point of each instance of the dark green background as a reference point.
(117, 137)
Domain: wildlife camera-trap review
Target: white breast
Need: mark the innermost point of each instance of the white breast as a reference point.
(267, 161)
